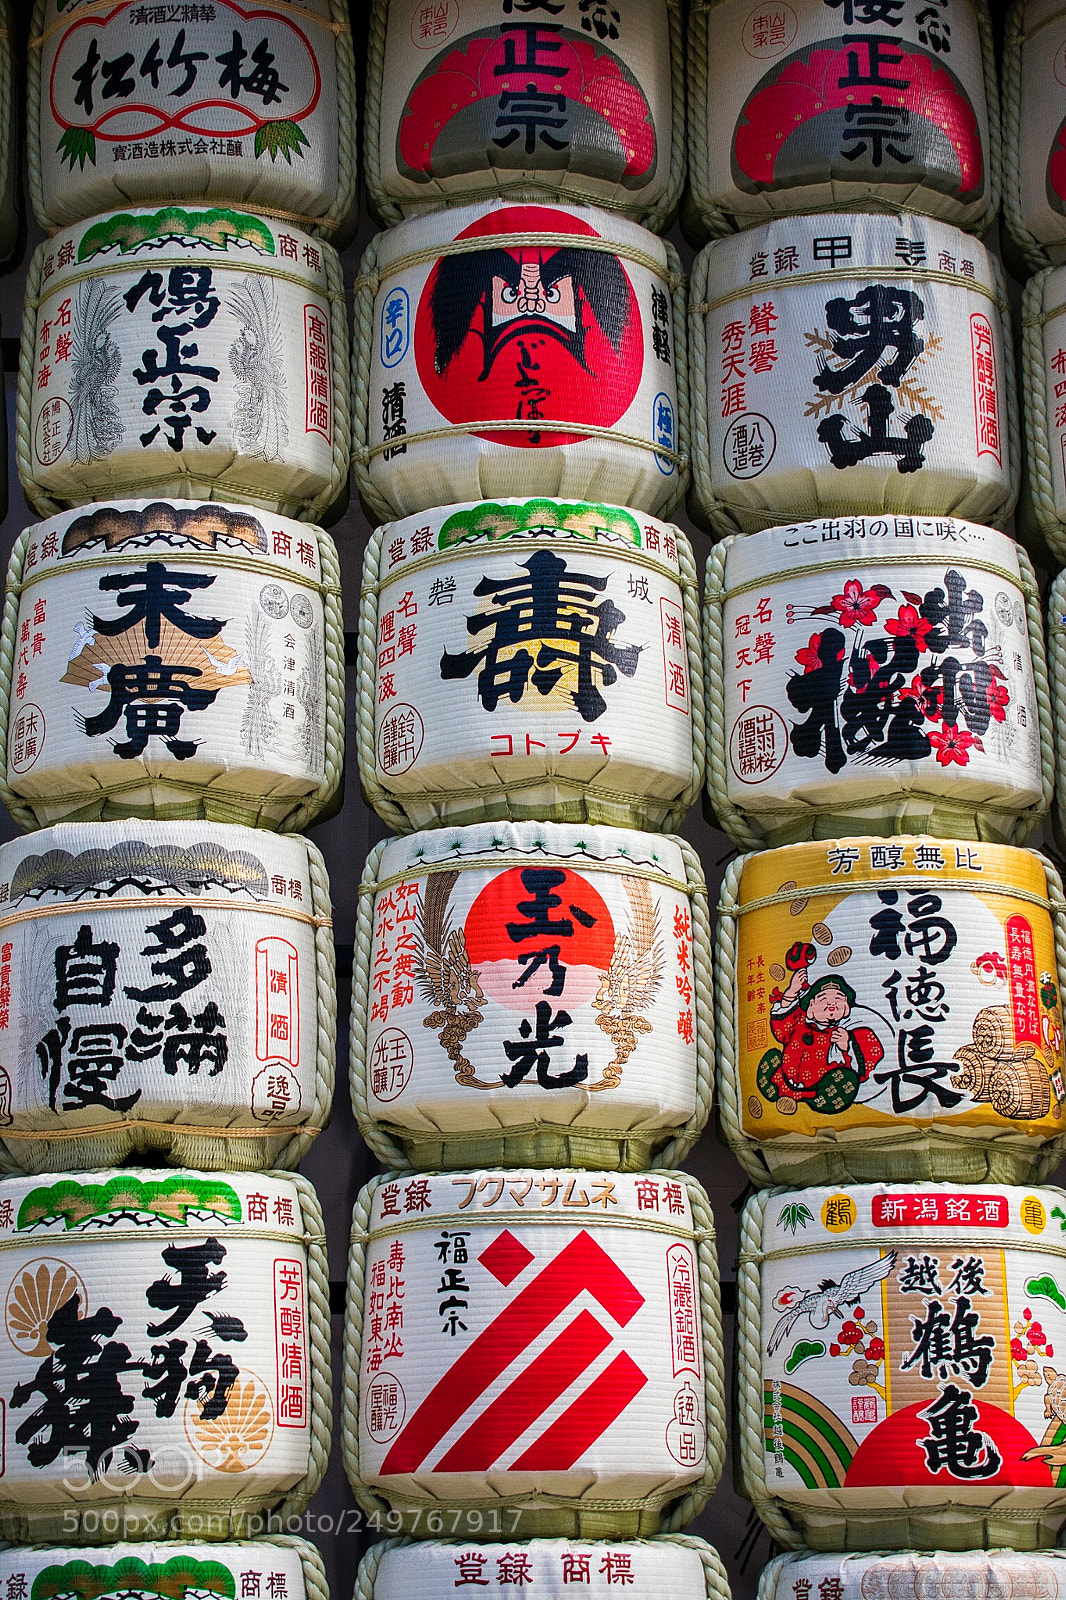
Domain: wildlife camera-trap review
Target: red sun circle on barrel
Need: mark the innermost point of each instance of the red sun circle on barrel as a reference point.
(539, 932)
(543, 333)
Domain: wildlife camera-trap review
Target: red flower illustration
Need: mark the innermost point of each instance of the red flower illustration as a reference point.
(930, 696)
(850, 1333)
(909, 623)
(998, 700)
(857, 604)
(834, 1349)
(875, 1350)
(1034, 1333)
(953, 745)
(1018, 1352)
(808, 656)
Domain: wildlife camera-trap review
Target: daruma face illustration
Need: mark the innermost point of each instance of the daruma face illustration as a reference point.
(544, 331)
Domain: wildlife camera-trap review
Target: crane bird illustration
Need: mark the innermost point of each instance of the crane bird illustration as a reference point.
(825, 1302)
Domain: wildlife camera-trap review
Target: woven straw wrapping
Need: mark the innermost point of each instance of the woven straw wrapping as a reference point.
(702, 212)
(84, 1146)
(573, 800)
(219, 803)
(545, 1515)
(890, 810)
(997, 1155)
(337, 222)
(950, 1525)
(714, 1574)
(183, 481)
(539, 1143)
(231, 1515)
(969, 499)
(390, 207)
(544, 468)
(1036, 251)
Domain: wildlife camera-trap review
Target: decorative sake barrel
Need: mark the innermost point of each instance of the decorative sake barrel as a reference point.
(170, 659)
(1056, 626)
(901, 396)
(474, 1420)
(674, 1564)
(171, 104)
(197, 353)
(876, 674)
(284, 1566)
(475, 327)
(908, 1575)
(898, 1381)
(166, 1365)
(1044, 408)
(582, 721)
(287, 1567)
(816, 107)
(1034, 120)
(534, 993)
(144, 968)
(584, 102)
(892, 1007)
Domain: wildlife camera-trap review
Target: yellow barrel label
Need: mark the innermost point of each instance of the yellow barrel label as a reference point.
(902, 979)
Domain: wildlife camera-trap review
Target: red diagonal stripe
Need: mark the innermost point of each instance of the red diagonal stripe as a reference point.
(582, 1264)
(566, 1439)
(528, 1397)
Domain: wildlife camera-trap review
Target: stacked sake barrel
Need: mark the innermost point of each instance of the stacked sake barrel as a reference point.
(171, 719)
(531, 1040)
(889, 962)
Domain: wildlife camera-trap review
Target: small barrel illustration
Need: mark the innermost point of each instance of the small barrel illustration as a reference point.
(586, 720)
(898, 1368)
(672, 1563)
(200, 353)
(607, 1424)
(179, 1380)
(888, 670)
(286, 1567)
(1043, 506)
(172, 659)
(892, 1007)
(532, 993)
(451, 116)
(144, 968)
(519, 349)
(201, 104)
(814, 107)
(849, 365)
(908, 1575)
(1034, 116)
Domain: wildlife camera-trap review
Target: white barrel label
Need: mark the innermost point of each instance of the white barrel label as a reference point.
(546, 1566)
(180, 344)
(519, 347)
(526, 968)
(212, 100)
(157, 971)
(476, 1359)
(168, 1571)
(581, 94)
(553, 641)
(920, 1348)
(153, 653)
(837, 350)
(855, 676)
(813, 100)
(176, 1363)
